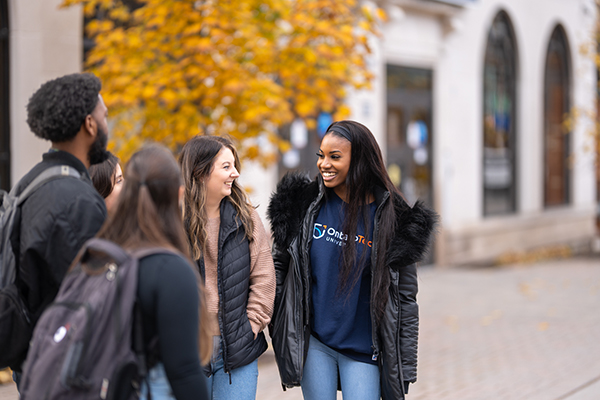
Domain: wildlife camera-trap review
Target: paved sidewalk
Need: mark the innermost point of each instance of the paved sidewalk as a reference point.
(529, 332)
(521, 332)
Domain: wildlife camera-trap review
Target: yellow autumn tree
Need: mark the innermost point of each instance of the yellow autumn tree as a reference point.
(172, 69)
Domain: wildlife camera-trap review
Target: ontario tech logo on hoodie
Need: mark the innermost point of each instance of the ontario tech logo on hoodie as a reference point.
(333, 235)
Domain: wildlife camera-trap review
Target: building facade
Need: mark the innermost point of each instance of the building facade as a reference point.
(468, 106)
(38, 42)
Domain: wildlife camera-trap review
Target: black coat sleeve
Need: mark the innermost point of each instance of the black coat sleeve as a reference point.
(78, 223)
(409, 323)
(50, 244)
(281, 260)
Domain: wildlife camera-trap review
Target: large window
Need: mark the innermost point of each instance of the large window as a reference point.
(499, 119)
(556, 106)
(409, 133)
(4, 101)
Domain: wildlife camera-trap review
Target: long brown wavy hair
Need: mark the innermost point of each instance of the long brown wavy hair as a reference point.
(197, 162)
(148, 215)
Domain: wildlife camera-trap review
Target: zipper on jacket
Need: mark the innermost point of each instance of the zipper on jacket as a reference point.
(298, 361)
(374, 341)
(221, 315)
(19, 303)
(311, 216)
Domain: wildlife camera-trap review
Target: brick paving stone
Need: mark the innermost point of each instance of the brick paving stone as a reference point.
(8, 392)
(518, 332)
(522, 332)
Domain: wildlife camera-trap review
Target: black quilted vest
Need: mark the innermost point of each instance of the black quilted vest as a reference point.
(233, 279)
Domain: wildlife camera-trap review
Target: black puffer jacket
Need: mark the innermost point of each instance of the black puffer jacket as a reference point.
(292, 212)
(233, 281)
(55, 222)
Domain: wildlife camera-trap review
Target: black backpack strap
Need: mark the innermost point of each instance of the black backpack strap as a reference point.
(149, 251)
(116, 252)
(47, 175)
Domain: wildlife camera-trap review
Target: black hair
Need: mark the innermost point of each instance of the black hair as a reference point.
(367, 171)
(57, 109)
(103, 175)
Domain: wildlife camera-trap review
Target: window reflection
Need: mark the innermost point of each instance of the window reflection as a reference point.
(556, 106)
(499, 147)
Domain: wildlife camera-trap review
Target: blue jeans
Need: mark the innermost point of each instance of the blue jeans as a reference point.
(17, 379)
(159, 385)
(244, 380)
(359, 380)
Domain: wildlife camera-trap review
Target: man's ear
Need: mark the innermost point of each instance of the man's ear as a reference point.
(89, 125)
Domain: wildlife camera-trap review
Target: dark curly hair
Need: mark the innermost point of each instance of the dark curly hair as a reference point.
(57, 109)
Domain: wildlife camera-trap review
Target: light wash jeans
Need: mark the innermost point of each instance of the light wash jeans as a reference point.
(17, 379)
(244, 380)
(159, 385)
(359, 380)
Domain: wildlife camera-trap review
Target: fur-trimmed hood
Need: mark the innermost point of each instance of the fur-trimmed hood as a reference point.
(287, 209)
(288, 205)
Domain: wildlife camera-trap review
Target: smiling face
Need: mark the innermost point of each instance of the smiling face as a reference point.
(334, 162)
(222, 175)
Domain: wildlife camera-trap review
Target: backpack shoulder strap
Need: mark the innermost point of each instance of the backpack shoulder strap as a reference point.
(119, 254)
(149, 251)
(107, 247)
(47, 175)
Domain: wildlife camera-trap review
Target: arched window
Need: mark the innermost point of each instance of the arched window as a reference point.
(556, 106)
(499, 119)
(4, 101)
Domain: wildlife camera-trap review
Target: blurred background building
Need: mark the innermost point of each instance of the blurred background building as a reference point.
(468, 106)
(38, 42)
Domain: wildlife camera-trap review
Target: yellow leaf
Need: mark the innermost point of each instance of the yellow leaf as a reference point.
(173, 68)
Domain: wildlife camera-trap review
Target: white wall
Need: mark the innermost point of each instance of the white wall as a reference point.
(45, 43)
(460, 90)
(452, 41)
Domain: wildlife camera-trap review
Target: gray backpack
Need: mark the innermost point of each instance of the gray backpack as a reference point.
(15, 323)
(89, 343)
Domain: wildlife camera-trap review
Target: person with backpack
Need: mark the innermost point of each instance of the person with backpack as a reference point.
(232, 251)
(145, 226)
(54, 219)
(345, 248)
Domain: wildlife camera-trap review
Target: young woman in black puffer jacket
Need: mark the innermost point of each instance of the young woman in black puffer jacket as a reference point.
(346, 315)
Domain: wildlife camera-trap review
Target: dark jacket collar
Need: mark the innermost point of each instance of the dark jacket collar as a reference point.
(64, 158)
(228, 216)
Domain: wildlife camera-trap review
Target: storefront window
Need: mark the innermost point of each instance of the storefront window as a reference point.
(499, 119)
(556, 107)
(409, 134)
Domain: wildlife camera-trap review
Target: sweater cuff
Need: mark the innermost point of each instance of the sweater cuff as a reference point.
(256, 328)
